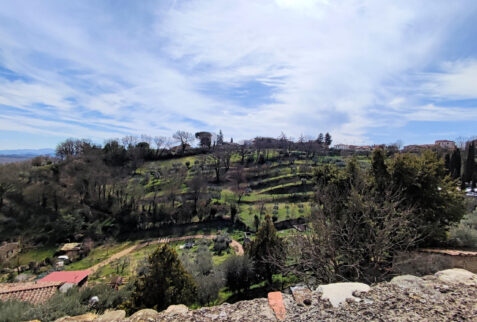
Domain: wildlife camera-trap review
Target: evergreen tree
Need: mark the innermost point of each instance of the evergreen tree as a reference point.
(266, 245)
(328, 139)
(455, 164)
(379, 170)
(220, 138)
(164, 283)
(469, 164)
(320, 139)
(447, 163)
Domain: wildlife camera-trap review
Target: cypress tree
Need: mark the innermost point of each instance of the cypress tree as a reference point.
(455, 163)
(267, 245)
(165, 282)
(469, 164)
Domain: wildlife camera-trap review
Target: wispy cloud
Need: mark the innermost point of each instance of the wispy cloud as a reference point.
(105, 69)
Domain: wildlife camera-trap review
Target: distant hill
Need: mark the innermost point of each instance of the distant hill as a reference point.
(27, 152)
(7, 156)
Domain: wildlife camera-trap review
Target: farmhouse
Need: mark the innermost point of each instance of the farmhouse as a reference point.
(78, 278)
(71, 250)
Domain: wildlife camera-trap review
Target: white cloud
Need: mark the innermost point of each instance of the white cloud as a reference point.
(330, 66)
(457, 80)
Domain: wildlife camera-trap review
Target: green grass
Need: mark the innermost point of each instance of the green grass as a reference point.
(98, 255)
(33, 255)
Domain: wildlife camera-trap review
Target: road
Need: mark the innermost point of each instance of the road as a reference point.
(237, 247)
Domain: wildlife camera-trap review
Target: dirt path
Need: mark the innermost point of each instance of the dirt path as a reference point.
(237, 247)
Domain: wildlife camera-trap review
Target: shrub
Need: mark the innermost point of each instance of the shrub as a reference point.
(465, 234)
(12, 311)
(238, 273)
(166, 282)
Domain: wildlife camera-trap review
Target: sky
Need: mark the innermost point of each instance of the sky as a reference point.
(367, 71)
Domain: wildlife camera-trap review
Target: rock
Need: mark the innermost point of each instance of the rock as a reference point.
(177, 309)
(408, 281)
(457, 276)
(301, 294)
(79, 318)
(337, 293)
(144, 315)
(118, 315)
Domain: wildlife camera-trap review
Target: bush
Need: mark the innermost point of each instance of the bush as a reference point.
(465, 234)
(238, 273)
(12, 311)
(108, 297)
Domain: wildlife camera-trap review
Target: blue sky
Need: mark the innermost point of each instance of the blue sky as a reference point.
(366, 71)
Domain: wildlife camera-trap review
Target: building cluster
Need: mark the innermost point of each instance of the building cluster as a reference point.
(439, 144)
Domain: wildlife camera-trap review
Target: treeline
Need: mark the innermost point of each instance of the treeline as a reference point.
(462, 166)
(96, 191)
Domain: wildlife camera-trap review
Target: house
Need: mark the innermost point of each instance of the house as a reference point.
(445, 144)
(78, 278)
(71, 250)
(8, 250)
(33, 292)
(342, 146)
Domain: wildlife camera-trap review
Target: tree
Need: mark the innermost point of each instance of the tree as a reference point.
(162, 144)
(205, 139)
(455, 164)
(328, 139)
(469, 166)
(220, 138)
(198, 188)
(183, 138)
(320, 139)
(239, 272)
(425, 186)
(165, 282)
(379, 170)
(267, 244)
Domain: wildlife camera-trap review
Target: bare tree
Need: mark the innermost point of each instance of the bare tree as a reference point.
(163, 143)
(183, 138)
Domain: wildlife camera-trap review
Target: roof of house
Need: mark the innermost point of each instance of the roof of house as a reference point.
(66, 276)
(33, 292)
(70, 246)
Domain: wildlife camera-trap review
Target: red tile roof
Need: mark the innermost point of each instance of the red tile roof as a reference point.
(33, 292)
(66, 276)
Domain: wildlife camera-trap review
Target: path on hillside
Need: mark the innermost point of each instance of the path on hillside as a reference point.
(237, 247)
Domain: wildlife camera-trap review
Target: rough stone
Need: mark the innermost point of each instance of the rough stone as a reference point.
(457, 276)
(177, 309)
(301, 294)
(79, 318)
(118, 315)
(144, 315)
(408, 281)
(337, 293)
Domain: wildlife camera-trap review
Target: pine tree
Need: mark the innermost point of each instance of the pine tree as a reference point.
(165, 282)
(447, 163)
(320, 139)
(469, 164)
(455, 164)
(220, 138)
(379, 170)
(266, 246)
(328, 139)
